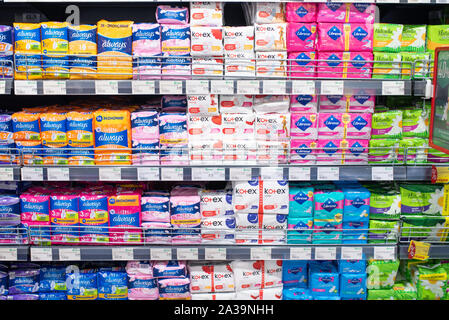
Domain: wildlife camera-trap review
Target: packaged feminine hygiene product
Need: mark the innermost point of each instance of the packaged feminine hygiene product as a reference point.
(296, 294)
(172, 15)
(387, 65)
(357, 204)
(271, 37)
(353, 285)
(352, 266)
(387, 37)
(304, 126)
(303, 103)
(413, 38)
(294, 274)
(330, 126)
(206, 41)
(206, 14)
(185, 214)
(346, 12)
(217, 277)
(299, 230)
(238, 39)
(155, 206)
(302, 64)
(300, 12)
(23, 281)
(301, 36)
(112, 285)
(269, 12)
(174, 289)
(52, 279)
(125, 218)
(324, 281)
(387, 125)
(261, 294)
(437, 36)
(357, 37)
(345, 64)
(301, 201)
(381, 274)
(260, 274)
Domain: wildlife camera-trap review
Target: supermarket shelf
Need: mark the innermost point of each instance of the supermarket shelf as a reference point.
(14, 253)
(273, 86)
(217, 252)
(6, 86)
(419, 173)
(220, 173)
(437, 251)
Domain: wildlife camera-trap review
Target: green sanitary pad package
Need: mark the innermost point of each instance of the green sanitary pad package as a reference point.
(430, 281)
(383, 231)
(437, 36)
(415, 123)
(424, 228)
(387, 294)
(387, 125)
(416, 62)
(404, 291)
(413, 38)
(387, 37)
(386, 65)
(381, 274)
(422, 199)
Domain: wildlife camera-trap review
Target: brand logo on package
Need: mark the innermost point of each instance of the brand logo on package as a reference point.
(358, 64)
(329, 205)
(303, 33)
(356, 149)
(359, 33)
(303, 123)
(303, 150)
(333, 57)
(301, 11)
(302, 56)
(304, 99)
(359, 123)
(332, 123)
(358, 202)
(361, 98)
(334, 33)
(301, 197)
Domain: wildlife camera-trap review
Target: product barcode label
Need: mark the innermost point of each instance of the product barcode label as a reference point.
(384, 253)
(351, 253)
(41, 254)
(248, 87)
(110, 174)
(274, 87)
(106, 87)
(331, 87)
(69, 254)
(53, 87)
(143, 87)
(6, 174)
(222, 87)
(122, 254)
(208, 174)
(240, 174)
(170, 87)
(197, 87)
(325, 253)
(148, 174)
(393, 88)
(8, 254)
(23, 87)
(260, 253)
(160, 253)
(303, 87)
(187, 253)
(300, 253)
(32, 174)
(299, 173)
(172, 174)
(215, 253)
(58, 174)
(382, 173)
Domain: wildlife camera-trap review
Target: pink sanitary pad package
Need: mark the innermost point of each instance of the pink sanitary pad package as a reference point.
(345, 37)
(346, 12)
(301, 36)
(304, 125)
(302, 64)
(345, 65)
(300, 12)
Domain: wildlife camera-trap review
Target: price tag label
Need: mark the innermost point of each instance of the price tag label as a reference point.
(393, 88)
(382, 173)
(41, 254)
(170, 87)
(143, 87)
(222, 86)
(272, 173)
(54, 87)
(215, 253)
(328, 173)
(208, 174)
(2, 87)
(122, 254)
(32, 174)
(187, 253)
(8, 254)
(418, 250)
(106, 86)
(248, 87)
(238, 174)
(6, 174)
(325, 253)
(331, 87)
(300, 253)
(148, 174)
(384, 253)
(160, 253)
(58, 174)
(351, 253)
(299, 173)
(172, 174)
(197, 87)
(260, 253)
(110, 174)
(303, 87)
(70, 254)
(274, 87)
(24, 87)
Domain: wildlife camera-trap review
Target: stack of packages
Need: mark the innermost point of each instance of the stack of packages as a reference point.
(145, 137)
(27, 135)
(436, 37)
(20, 282)
(82, 51)
(385, 211)
(173, 281)
(175, 41)
(261, 210)
(146, 48)
(381, 279)
(300, 215)
(345, 33)
(206, 21)
(7, 140)
(27, 51)
(211, 281)
(156, 222)
(35, 212)
(142, 285)
(55, 49)
(258, 280)
(6, 52)
(54, 137)
(185, 214)
(11, 228)
(112, 283)
(217, 216)
(270, 40)
(295, 280)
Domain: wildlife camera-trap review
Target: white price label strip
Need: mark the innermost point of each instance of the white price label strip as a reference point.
(248, 87)
(387, 1)
(172, 174)
(170, 87)
(274, 87)
(106, 86)
(330, 87)
(41, 254)
(240, 174)
(299, 173)
(58, 174)
(215, 253)
(122, 254)
(2, 87)
(260, 253)
(22, 87)
(187, 253)
(272, 173)
(300, 253)
(143, 87)
(382, 173)
(328, 173)
(208, 174)
(148, 174)
(8, 254)
(110, 174)
(6, 174)
(222, 87)
(70, 254)
(160, 253)
(384, 253)
(303, 87)
(197, 87)
(325, 253)
(53, 87)
(351, 253)
(393, 88)
(32, 174)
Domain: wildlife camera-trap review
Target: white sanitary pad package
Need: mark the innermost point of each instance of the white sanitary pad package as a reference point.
(211, 277)
(258, 274)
